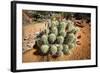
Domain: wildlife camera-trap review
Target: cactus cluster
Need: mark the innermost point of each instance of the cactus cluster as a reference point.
(58, 38)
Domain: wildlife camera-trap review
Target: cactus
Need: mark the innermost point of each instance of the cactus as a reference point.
(39, 42)
(47, 31)
(60, 53)
(60, 39)
(65, 49)
(74, 30)
(70, 26)
(62, 25)
(44, 49)
(62, 33)
(54, 30)
(54, 22)
(53, 49)
(74, 40)
(70, 38)
(72, 45)
(59, 47)
(52, 38)
(44, 39)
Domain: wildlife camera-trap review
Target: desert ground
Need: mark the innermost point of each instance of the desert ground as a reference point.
(81, 52)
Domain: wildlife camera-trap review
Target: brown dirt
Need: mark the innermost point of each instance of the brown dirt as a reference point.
(29, 34)
(81, 52)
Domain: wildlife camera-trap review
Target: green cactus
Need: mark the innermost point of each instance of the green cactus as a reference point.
(72, 45)
(70, 22)
(52, 38)
(44, 39)
(74, 39)
(70, 26)
(60, 53)
(74, 30)
(62, 33)
(60, 47)
(47, 31)
(62, 25)
(53, 49)
(39, 42)
(44, 49)
(60, 39)
(54, 22)
(54, 30)
(65, 49)
(70, 38)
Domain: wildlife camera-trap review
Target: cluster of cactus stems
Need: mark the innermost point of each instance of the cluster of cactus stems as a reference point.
(58, 38)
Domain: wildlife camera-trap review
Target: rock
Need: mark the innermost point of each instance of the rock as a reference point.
(78, 43)
(28, 42)
(79, 36)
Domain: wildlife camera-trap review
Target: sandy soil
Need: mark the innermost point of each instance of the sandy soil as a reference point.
(81, 52)
(29, 34)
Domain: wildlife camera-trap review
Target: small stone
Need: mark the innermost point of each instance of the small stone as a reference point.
(79, 36)
(78, 43)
